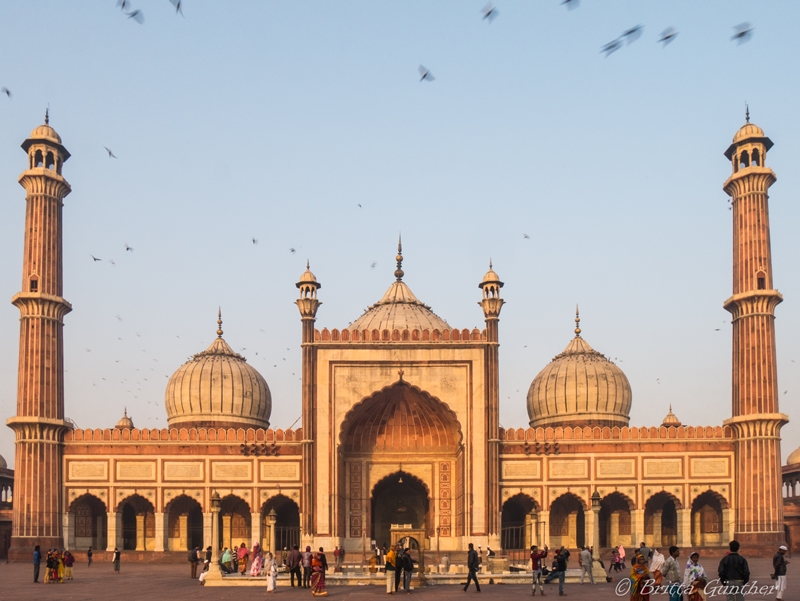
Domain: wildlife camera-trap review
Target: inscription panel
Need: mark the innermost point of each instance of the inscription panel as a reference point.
(230, 470)
(136, 470)
(181, 470)
(88, 470)
(663, 467)
(569, 468)
(616, 468)
(711, 466)
(522, 469)
(280, 471)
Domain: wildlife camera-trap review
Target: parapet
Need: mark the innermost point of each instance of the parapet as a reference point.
(454, 335)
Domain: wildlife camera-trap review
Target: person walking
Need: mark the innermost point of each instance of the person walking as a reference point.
(695, 579)
(640, 575)
(621, 550)
(779, 571)
(295, 559)
(472, 565)
(307, 568)
(271, 569)
(319, 565)
(391, 567)
(408, 570)
(586, 561)
(255, 565)
(116, 560)
(561, 568)
(672, 574)
(537, 563)
(89, 556)
(193, 559)
(734, 572)
(37, 560)
(69, 561)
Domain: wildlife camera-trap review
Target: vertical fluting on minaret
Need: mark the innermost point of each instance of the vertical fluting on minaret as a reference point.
(756, 420)
(492, 303)
(39, 422)
(308, 304)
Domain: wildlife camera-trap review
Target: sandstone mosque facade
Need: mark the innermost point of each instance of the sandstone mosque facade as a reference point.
(399, 425)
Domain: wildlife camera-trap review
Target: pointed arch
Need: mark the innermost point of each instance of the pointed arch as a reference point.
(400, 498)
(708, 519)
(235, 521)
(184, 521)
(513, 521)
(287, 522)
(88, 522)
(615, 519)
(661, 519)
(567, 521)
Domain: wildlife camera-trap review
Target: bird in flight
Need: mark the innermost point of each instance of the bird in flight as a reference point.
(255, 241)
(571, 4)
(526, 236)
(632, 34)
(123, 4)
(178, 4)
(5, 91)
(611, 47)
(137, 16)
(95, 258)
(111, 155)
(374, 263)
(129, 248)
(292, 250)
(489, 12)
(425, 74)
(359, 205)
(668, 35)
(744, 31)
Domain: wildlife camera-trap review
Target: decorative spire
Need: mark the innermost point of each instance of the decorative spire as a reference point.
(490, 263)
(747, 112)
(398, 273)
(126, 412)
(219, 322)
(47, 115)
(308, 265)
(577, 322)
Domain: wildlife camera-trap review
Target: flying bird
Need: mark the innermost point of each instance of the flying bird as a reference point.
(6, 91)
(668, 35)
(111, 155)
(178, 4)
(255, 241)
(123, 4)
(571, 4)
(611, 47)
(292, 250)
(425, 74)
(359, 205)
(137, 16)
(95, 258)
(128, 248)
(744, 31)
(489, 12)
(632, 34)
(526, 236)
(374, 263)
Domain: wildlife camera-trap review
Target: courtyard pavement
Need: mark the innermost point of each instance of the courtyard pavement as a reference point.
(139, 581)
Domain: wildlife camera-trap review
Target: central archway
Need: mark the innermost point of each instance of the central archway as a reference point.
(399, 498)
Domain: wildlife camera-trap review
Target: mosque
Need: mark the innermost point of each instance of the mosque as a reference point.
(400, 433)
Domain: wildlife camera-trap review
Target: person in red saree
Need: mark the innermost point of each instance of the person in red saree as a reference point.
(319, 565)
(243, 554)
(640, 574)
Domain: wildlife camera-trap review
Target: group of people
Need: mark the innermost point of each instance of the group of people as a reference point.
(400, 566)
(57, 562)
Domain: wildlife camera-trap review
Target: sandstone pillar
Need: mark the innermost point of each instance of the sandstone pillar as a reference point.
(684, 528)
(114, 531)
(160, 543)
(140, 543)
(637, 527)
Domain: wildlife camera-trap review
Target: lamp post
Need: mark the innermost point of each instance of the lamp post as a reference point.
(214, 572)
(272, 518)
(534, 516)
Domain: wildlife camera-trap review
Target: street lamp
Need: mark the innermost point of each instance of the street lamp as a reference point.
(534, 516)
(272, 518)
(596, 530)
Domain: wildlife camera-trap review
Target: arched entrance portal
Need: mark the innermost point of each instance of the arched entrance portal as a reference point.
(567, 522)
(184, 524)
(661, 520)
(399, 498)
(514, 530)
(287, 523)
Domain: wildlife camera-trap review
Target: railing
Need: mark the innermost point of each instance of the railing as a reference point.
(286, 537)
(513, 541)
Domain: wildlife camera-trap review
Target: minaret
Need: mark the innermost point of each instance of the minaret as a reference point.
(39, 423)
(491, 305)
(308, 305)
(756, 421)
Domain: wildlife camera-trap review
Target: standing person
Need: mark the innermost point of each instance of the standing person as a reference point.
(255, 565)
(226, 561)
(341, 558)
(640, 574)
(60, 565)
(319, 565)
(621, 550)
(271, 569)
(337, 564)
(391, 567)
(561, 559)
(655, 566)
(307, 568)
(235, 558)
(408, 570)
(694, 578)
(284, 556)
(295, 559)
(779, 571)
(48, 566)
(37, 560)
(672, 574)
(472, 565)
(645, 550)
(614, 561)
(586, 561)
(116, 560)
(734, 572)
(243, 554)
(193, 559)
(446, 563)
(537, 563)
(89, 556)
(398, 552)
(69, 561)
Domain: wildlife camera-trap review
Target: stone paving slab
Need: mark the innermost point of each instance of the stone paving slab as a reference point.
(154, 582)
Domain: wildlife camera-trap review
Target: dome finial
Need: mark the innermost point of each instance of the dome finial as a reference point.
(577, 322)
(47, 115)
(490, 263)
(308, 264)
(398, 273)
(747, 112)
(125, 412)
(219, 322)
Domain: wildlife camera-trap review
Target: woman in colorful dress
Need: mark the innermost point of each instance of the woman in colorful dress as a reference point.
(243, 554)
(255, 567)
(656, 563)
(319, 565)
(695, 577)
(640, 574)
(60, 565)
(271, 569)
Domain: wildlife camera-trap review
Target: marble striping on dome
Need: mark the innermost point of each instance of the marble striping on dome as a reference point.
(399, 309)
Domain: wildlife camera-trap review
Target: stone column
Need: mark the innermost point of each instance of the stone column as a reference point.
(227, 540)
(544, 527)
(183, 523)
(255, 527)
(613, 530)
(572, 536)
(214, 576)
(588, 528)
(68, 524)
(728, 525)
(207, 529)
(530, 527)
(596, 531)
(114, 531)
(657, 536)
(140, 544)
(637, 527)
(684, 528)
(160, 533)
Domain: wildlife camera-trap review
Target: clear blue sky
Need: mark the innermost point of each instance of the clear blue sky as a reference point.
(274, 120)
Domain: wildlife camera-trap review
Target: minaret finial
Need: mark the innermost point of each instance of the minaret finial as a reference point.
(47, 115)
(398, 273)
(490, 262)
(577, 322)
(308, 264)
(126, 412)
(747, 112)
(219, 322)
